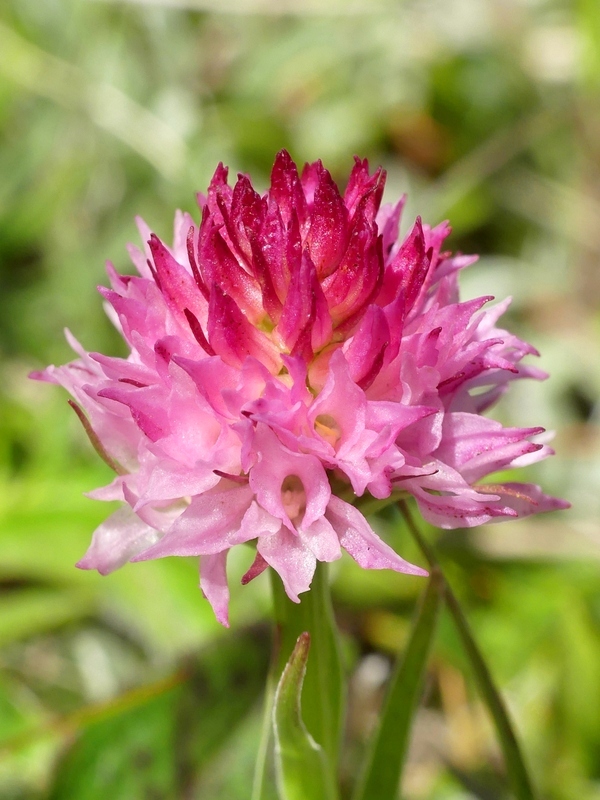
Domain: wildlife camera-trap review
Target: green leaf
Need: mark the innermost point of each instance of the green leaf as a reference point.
(383, 768)
(323, 697)
(125, 757)
(302, 770)
(324, 693)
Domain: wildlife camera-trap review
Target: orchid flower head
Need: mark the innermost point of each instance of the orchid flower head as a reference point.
(290, 358)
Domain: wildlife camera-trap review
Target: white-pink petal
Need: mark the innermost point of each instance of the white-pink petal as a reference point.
(362, 543)
(212, 523)
(119, 538)
(322, 540)
(213, 582)
(291, 559)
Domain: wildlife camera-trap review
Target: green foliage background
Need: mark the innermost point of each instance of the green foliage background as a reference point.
(487, 112)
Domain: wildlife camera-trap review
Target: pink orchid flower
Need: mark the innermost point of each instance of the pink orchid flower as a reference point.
(290, 358)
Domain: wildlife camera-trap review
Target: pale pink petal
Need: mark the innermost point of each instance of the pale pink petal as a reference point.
(358, 538)
(257, 522)
(113, 491)
(291, 559)
(213, 582)
(476, 446)
(322, 540)
(210, 524)
(119, 538)
(527, 498)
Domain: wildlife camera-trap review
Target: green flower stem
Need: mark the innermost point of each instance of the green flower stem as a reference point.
(323, 693)
(383, 769)
(515, 764)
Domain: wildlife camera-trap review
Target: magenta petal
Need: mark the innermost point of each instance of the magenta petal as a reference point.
(233, 337)
(213, 582)
(258, 566)
(352, 287)
(358, 538)
(327, 236)
(277, 249)
(119, 538)
(286, 189)
(176, 284)
(305, 324)
(246, 216)
(364, 189)
(408, 269)
(367, 347)
(219, 266)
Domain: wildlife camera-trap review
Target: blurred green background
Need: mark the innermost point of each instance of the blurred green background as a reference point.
(487, 112)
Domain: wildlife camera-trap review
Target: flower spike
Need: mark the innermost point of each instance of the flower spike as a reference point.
(291, 363)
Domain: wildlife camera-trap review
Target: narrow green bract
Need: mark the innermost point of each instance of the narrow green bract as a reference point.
(301, 764)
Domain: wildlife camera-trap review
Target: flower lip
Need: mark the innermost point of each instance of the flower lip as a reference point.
(293, 497)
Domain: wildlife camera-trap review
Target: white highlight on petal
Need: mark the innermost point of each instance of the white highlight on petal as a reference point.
(119, 538)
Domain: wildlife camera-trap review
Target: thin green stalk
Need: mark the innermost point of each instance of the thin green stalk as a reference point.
(383, 769)
(515, 764)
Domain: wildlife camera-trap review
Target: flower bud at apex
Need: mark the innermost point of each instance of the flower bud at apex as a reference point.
(291, 359)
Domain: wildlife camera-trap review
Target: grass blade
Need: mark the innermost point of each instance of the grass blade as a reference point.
(383, 769)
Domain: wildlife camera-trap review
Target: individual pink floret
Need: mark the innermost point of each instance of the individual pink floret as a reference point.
(290, 359)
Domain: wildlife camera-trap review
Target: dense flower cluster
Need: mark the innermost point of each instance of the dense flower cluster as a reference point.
(290, 356)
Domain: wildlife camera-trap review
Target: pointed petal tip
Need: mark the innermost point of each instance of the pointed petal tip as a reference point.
(88, 563)
(38, 375)
(222, 618)
(412, 569)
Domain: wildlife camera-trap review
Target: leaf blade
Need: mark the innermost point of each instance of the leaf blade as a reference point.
(383, 767)
(301, 765)
(323, 696)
